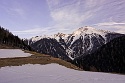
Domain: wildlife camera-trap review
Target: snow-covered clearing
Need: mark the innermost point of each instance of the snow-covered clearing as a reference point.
(9, 53)
(54, 73)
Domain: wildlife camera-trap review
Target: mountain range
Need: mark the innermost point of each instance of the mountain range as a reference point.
(81, 42)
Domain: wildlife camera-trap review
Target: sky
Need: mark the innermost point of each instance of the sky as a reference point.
(29, 18)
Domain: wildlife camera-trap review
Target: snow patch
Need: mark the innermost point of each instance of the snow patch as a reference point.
(54, 73)
(9, 53)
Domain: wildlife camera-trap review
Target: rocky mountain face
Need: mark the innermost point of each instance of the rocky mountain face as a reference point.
(86, 40)
(108, 58)
(81, 42)
(51, 47)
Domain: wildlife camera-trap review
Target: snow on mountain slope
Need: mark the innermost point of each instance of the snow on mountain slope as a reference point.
(88, 31)
(55, 36)
(86, 40)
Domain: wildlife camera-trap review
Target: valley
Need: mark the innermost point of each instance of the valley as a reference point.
(86, 49)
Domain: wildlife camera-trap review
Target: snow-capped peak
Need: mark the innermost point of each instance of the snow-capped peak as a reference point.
(36, 38)
(59, 35)
(88, 36)
(55, 36)
(89, 30)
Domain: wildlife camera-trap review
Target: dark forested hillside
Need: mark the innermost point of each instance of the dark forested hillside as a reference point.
(109, 58)
(7, 38)
(51, 47)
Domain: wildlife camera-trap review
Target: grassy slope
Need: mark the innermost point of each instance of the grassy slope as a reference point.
(36, 58)
(4, 46)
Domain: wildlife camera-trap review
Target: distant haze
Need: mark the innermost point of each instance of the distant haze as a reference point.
(27, 18)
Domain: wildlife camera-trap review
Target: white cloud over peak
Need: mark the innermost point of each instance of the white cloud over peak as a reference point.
(109, 24)
(71, 15)
(118, 27)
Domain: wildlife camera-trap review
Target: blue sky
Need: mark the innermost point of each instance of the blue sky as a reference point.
(27, 18)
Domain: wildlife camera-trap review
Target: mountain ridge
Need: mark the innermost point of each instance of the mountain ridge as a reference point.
(59, 34)
(83, 41)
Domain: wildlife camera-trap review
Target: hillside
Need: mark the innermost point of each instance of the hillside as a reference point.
(8, 40)
(108, 58)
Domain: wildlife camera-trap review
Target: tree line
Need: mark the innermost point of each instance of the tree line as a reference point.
(9, 39)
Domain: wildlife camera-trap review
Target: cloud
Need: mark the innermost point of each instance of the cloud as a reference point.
(70, 14)
(122, 31)
(118, 27)
(17, 12)
(37, 31)
(67, 18)
(109, 24)
(115, 28)
(53, 3)
(14, 8)
(31, 31)
(93, 3)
